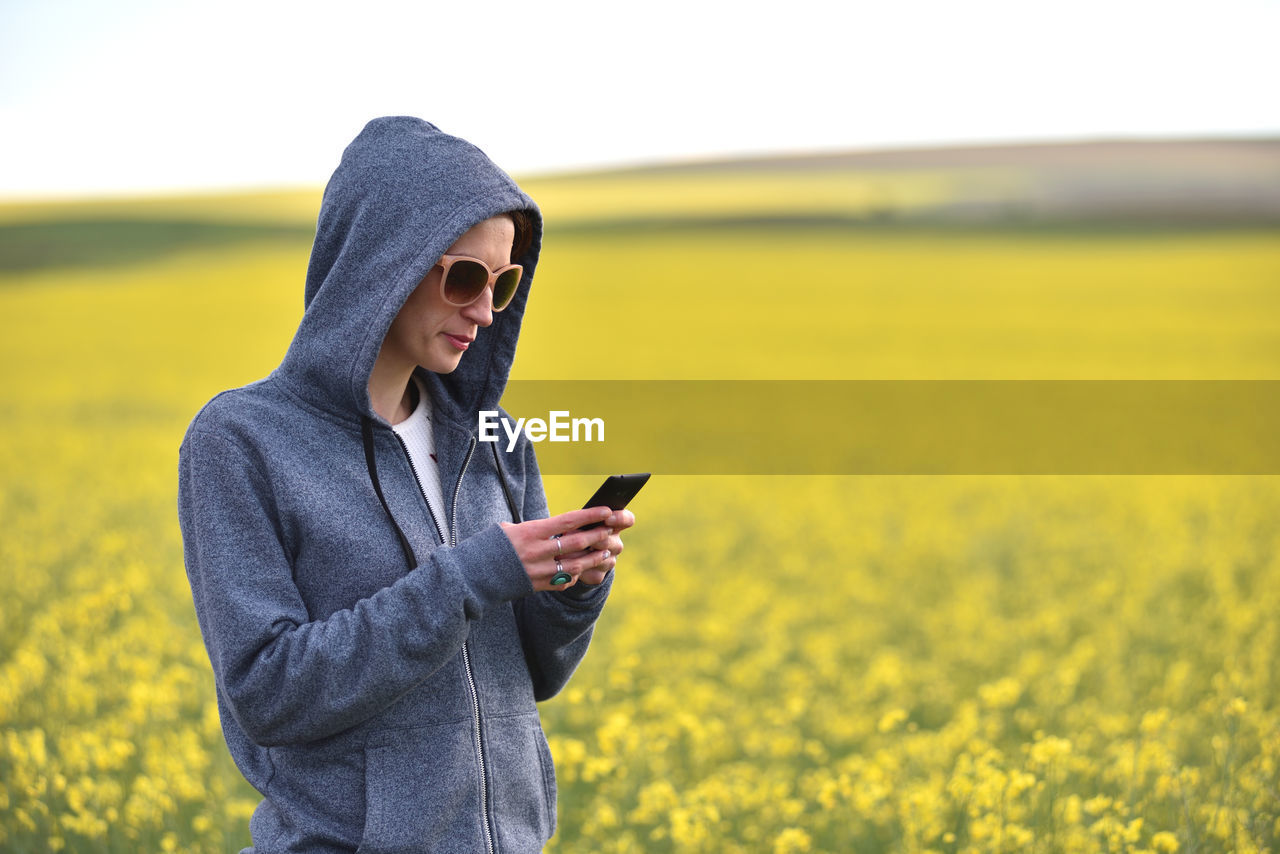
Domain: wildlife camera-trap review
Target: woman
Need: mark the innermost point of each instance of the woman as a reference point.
(382, 597)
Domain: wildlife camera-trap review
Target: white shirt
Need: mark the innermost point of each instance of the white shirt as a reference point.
(416, 433)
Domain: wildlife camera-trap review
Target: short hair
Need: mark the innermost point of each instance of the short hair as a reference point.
(524, 233)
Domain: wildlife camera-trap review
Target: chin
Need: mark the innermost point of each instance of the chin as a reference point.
(443, 366)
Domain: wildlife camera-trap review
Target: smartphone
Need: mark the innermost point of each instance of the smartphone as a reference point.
(616, 491)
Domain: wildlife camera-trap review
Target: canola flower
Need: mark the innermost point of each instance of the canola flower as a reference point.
(1049, 669)
(905, 664)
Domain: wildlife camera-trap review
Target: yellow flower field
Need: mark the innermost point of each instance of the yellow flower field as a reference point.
(787, 664)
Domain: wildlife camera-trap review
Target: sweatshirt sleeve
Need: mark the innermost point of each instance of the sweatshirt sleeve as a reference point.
(287, 678)
(555, 626)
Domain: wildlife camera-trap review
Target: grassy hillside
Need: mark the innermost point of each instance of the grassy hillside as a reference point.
(1098, 188)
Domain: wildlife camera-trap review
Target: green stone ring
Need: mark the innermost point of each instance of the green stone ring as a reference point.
(561, 577)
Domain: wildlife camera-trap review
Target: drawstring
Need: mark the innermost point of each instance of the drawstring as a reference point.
(502, 479)
(366, 428)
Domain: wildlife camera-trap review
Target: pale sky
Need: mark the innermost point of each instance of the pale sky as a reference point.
(128, 96)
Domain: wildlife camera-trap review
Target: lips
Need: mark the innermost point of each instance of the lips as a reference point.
(462, 342)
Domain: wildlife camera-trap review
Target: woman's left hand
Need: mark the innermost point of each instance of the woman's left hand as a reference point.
(618, 520)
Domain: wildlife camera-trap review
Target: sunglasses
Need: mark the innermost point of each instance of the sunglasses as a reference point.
(464, 279)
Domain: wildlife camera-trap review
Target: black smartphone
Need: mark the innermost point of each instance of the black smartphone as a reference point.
(616, 491)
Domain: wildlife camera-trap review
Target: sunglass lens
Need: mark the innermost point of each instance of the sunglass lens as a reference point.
(464, 281)
(505, 288)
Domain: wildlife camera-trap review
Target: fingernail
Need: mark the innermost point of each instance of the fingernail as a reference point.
(606, 555)
(612, 520)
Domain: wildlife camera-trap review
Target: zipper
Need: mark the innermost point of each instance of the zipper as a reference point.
(414, 469)
(484, 781)
(466, 663)
(466, 653)
(453, 522)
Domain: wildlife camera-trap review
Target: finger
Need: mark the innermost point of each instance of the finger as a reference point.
(565, 523)
(581, 540)
(613, 545)
(577, 565)
(560, 579)
(564, 545)
(620, 519)
(593, 577)
(570, 521)
(588, 553)
(599, 574)
(550, 583)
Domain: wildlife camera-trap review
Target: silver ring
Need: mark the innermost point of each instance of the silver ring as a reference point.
(559, 547)
(561, 577)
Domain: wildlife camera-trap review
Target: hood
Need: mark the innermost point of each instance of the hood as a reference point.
(402, 194)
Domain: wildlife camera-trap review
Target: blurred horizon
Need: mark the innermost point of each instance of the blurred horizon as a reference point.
(1090, 186)
(674, 162)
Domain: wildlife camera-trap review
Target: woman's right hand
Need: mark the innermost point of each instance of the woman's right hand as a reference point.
(540, 543)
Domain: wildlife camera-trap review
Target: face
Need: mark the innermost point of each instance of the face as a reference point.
(434, 334)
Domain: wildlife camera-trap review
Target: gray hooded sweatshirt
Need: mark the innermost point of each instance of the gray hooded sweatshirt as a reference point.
(376, 676)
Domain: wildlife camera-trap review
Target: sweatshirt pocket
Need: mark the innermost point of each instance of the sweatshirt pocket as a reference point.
(422, 791)
(523, 784)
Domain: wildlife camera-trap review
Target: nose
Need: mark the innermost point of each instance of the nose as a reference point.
(480, 312)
